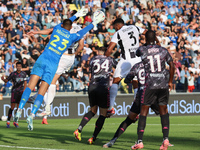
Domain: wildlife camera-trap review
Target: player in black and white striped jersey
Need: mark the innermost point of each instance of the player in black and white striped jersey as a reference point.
(127, 37)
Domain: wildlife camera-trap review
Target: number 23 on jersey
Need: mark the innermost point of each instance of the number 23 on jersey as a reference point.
(64, 43)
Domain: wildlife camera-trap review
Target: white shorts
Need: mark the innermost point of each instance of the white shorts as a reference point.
(65, 63)
(124, 67)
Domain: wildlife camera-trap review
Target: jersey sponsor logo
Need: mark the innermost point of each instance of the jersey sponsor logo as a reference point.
(158, 75)
(23, 99)
(100, 75)
(54, 50)
(19, 79)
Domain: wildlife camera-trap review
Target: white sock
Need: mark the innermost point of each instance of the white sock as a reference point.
(113, 94)
(45, 102)
(51, 94)
(135, 92)
(45, 98)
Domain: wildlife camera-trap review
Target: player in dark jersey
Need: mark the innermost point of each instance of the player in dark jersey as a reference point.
(157, 86)
(136, 70)
(18, 79)
(98, 92)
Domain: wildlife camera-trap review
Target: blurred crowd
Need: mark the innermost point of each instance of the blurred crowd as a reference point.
(176, 23)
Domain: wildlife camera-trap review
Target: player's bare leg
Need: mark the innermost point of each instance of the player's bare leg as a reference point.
(86, 118)
(25, 96)
(165, 126)
(42, 90)
(99, 124)
(131, 118)
(113, 94)
(141, 126)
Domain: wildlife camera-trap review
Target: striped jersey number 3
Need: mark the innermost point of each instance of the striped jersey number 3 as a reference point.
(132, 51)
(64, 42)
(104, 65)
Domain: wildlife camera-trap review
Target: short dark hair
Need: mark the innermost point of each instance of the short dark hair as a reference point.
(67, 23)
(18, 63)
(150, 36)
(103, 49)
(118, 20)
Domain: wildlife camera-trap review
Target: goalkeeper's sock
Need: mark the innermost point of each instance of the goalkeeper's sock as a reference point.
(85, 120)
(37, 103)
(24, 98)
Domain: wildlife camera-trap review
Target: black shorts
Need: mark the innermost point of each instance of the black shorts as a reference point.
(153, 96)
(136, 106)
(16, 97)
(99, 95)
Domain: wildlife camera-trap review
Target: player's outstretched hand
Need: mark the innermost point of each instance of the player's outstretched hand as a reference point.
(82, 12)
(98, 17)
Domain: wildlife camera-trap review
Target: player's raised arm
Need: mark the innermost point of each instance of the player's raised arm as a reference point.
(80, 46)
(98, 17)
(80, 13)
(44, 32)
(110, 48)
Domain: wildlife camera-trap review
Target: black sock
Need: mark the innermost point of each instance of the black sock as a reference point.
(9, 114)
(85, 120)
(99, 124)
(141, 127)
(122, 128)
(165, 125)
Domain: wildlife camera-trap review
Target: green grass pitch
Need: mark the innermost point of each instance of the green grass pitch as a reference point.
(58, 134)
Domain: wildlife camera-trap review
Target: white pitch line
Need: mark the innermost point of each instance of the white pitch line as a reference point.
(69, 125)
(20, 147)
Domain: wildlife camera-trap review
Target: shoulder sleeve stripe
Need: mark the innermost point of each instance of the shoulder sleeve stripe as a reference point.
(121, 45)
(138, 29)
